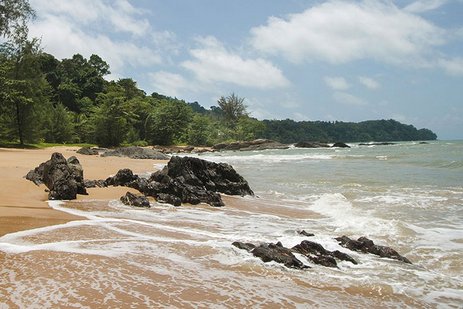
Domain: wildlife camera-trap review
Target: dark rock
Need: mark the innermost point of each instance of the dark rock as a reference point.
(340, 145)
(64, 178)
(311, 145)
(319, 255)
(423, 143)
(94, 183)
(186, 180)
(258, 144)
(123, 178)
(87, 151)
(244, 245)
(168, 198)
(278, 253)
(135, 200)
(136, 153)
(304, 233)
(366, 245)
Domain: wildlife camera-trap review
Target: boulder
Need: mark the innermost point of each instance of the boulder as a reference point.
(366, 245)
(304, 233)
(136, 153)
(311, 145)
(244, 245)
(87, 151)
(135, 200)
(340, 145)
(64, 178)
(124, 177)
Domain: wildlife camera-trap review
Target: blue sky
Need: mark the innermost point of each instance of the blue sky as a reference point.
(299, 59)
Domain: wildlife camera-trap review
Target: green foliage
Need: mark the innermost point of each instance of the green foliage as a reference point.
(14, 15)
(199, 131)
(59, 125)
(168, 123)
(233, 108)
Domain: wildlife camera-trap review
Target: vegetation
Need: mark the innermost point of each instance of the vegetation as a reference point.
(46, 100)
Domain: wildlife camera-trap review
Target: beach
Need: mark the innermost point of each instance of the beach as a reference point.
(23, 205)
(97, 252)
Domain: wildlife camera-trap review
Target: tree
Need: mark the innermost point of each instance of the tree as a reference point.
(14, 15)
(168, 122)
(199, 130)
(24, 91)
(233, 108)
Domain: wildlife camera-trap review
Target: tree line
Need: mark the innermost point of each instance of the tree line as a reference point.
(44, 99)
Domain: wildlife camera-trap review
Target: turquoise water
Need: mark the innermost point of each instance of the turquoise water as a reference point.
(408, 196)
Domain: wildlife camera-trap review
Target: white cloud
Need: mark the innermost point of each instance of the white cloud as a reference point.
(348, 99)
(343, 31)
(369, 82)
(337, 83)
(171, 84)
(120, 15)
(453, 66)
(213, 63)
(89, 27)
(421, 6)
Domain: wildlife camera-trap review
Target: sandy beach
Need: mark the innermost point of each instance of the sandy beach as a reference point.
(23, 205)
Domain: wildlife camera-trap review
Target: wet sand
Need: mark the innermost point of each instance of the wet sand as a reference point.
(23, 205)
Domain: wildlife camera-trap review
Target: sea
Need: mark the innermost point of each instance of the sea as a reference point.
(408, 196)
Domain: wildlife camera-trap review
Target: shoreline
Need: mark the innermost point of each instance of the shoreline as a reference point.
(23, 205)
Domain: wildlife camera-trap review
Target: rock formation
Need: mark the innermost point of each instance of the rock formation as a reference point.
(64, 178)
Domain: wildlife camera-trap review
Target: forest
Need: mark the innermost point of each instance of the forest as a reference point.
(49, 100)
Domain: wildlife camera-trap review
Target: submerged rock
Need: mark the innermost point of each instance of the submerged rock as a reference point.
(268, 252)
(311, 145)
(319, 255)
(340, 145)
(64, 178)
(135, 200)
(366, 245)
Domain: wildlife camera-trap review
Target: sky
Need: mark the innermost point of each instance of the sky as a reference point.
(298, 59)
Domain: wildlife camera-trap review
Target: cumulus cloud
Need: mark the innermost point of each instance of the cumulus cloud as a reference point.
(369, 82)
(172, 84)
(421, 6)
(91, 27)
(453, 66)
(348, 99)
(212, 62)
(337, 83)
(343, 31)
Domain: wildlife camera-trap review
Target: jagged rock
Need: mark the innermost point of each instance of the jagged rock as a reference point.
(94, 183)
(135, 200)
(123, 178)
(64, 178)
(276, 252)
(366, 245)
(304, 233)
(340, 145)
(87, 151)
(244, 245)
(186, 180)
(311, 145)
(319, 255)
(258, 144)
(136, 153)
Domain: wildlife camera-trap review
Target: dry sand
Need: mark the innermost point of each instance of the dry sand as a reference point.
(23, 204)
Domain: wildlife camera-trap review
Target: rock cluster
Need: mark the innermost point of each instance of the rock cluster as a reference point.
(64, 178)
(131, 199)
(258, 144)
(184, 180)
(366, 245)
(316, 253)
(136, 153)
